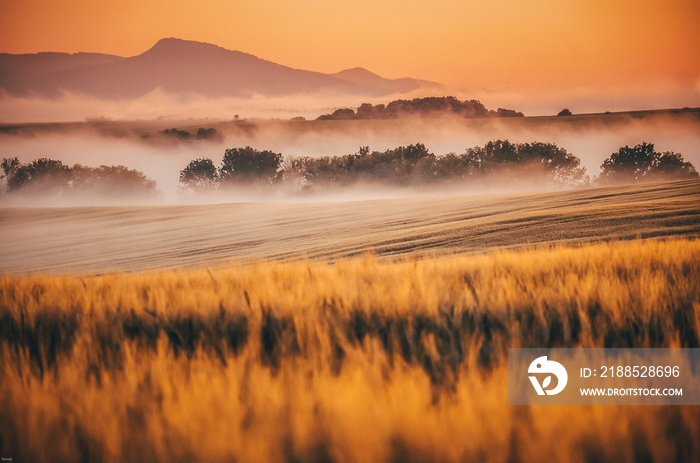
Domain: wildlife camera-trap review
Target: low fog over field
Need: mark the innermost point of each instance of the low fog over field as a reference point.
(133, 238)
(145, 147)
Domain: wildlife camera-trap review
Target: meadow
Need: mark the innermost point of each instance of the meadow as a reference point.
(362, 359)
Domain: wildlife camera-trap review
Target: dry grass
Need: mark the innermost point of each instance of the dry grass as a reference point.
(361, 360)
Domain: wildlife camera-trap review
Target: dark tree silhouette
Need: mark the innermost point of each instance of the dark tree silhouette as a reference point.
(643, 163)
(496, 163)
(559, 166)
(46, 174)
(207, 134)
(200, 174)
(420, 107)
(248, 165)
(10, 166)
(111, 180)
(202, 134)
(501, 112)
(49, 176)
(564, 112)
(177, 133)
(484, 161)
(544, 163)
(670, 165)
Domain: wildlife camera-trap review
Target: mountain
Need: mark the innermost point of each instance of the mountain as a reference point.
(181, 67)
(19, 74)
(365, 78)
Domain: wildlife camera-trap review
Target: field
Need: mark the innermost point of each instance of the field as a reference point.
(99, 239)
(360, 360)
(339, 331)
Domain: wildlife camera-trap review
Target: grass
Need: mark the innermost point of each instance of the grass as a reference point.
(359, 360)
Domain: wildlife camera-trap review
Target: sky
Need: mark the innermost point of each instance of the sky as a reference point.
(542, 48)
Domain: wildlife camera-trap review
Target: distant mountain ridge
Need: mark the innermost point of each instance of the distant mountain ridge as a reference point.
(182, 67)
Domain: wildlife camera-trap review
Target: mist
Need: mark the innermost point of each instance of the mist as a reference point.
(634, 96)
(159, 105)
(141, 145)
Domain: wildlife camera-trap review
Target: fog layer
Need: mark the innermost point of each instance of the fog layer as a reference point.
(144, 147)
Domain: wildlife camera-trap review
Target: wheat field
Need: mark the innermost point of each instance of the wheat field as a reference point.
(359, 360)
(137, 238)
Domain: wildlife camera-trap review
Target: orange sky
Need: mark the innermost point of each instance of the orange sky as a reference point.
(494, 44)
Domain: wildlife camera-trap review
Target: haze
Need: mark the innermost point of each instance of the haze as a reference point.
(591, 138)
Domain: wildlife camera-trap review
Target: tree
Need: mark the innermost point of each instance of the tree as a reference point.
(421, 107)
(643, 163)
(45, 174)
(501, 112)
(49, 176)
(494, 154)
(207, 134)
(524, 162)
(248, 165)
(296, 173)
(367, 111)
(564, 112)
(672, 166)
(10, 166)
(177, 133)
(558, 166)
(200, 174)
(110, 181)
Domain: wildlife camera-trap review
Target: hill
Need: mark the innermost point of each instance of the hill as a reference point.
(136, 238)
(180, 67)
(382, 86)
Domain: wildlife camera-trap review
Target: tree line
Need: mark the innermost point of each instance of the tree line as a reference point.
(498, 162)
(420, 107)
(52, 177)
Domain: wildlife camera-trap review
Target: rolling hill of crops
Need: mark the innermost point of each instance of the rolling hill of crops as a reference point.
(98, 239)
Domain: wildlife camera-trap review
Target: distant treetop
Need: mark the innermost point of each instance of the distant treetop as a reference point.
(420, 107)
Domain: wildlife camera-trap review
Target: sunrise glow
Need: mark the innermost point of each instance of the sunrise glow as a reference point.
(501, 43)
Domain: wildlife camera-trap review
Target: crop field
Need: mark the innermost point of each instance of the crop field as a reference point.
(362, 359)
(324, 232)
(99, 239)
(339, 331)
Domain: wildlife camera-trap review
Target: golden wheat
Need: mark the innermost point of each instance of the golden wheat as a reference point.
(358, 360)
